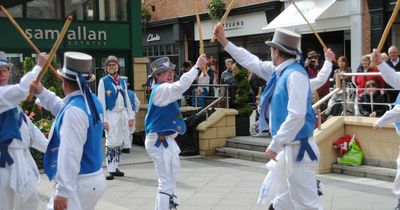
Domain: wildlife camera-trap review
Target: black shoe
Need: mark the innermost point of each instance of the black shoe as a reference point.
(118, 173)
(110, 176)
(126, 150)
(271, 207)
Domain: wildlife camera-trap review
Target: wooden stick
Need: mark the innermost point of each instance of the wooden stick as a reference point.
(387, 29)
(222, 21)
(312, 29)
(201, 41)
(27, 39)
(52, 53)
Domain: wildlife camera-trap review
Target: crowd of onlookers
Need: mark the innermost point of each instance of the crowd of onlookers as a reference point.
(364, 95)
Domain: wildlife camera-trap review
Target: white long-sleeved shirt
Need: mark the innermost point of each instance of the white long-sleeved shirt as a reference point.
(167, 93)
(393, 79)
(322, 76)
(73, 135)
(297, 86)
(11, 95)
(119, 103)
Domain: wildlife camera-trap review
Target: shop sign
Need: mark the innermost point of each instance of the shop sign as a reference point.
(237, 25)
(81, 35)
(153, 38)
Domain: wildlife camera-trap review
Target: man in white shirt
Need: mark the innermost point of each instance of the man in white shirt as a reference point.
(286, 106)
(393, 116)
(74, 155)
(118, 114)
(19, 175)
(164, 122)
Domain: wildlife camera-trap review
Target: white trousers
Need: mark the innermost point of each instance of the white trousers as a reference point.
(90, 189)
(167, 164)
(396, 187)
(119, 128)
(10, 199)
(298, 191)
(127, 144)
(18, 182)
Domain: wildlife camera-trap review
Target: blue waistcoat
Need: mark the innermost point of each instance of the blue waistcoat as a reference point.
(9, 126)
(280, 101)
(110, 93)
(163, 119)
(132, 96)
(92, 150)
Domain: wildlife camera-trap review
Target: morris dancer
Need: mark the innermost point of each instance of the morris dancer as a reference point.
(18, 171)
(163, 122)
(392, 78)
(74, 155)
(118, 117)
(291, 127)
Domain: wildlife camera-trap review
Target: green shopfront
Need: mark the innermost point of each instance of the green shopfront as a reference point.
(95, 37)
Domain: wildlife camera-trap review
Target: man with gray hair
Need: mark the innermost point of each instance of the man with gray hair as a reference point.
(164, 122)
(394, 62)
(286, 107)
(118, 114)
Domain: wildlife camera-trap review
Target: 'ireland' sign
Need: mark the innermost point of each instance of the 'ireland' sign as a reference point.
(81, 35)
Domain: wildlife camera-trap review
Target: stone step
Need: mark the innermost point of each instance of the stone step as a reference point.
(373, 172)
(249, 143)
(242, 154)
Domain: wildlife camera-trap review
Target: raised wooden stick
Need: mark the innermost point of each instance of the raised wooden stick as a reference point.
(312, 29)
(222, 21)
(201, 41)
(27, 39)
(52, 53)
(387, 29)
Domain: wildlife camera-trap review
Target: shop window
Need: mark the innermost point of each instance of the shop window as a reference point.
(15, 11)
(395, 35)
(168, 49)
(113, 10)
(45, 9)
(81, 9)
(162, 50)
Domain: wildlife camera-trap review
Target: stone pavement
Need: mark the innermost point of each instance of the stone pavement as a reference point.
(219, 183)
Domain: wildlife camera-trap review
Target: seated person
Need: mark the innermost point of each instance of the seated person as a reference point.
(368, 98)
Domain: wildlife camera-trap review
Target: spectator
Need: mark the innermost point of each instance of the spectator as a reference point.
(200, 93)
(393, 62)
(367, 99)
(227, 78)
(362, 80)
(335, 106)
(255, 83)
(313, 66)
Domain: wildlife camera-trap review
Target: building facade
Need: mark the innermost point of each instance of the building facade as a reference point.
(99, 28)
(339, 25)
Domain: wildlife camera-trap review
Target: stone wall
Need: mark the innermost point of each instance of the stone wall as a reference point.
(214, 132)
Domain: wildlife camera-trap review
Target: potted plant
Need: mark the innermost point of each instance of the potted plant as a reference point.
(145, 17)
(242, 101)
(216, 9)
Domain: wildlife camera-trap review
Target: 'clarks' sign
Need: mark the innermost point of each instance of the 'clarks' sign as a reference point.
(79, 36)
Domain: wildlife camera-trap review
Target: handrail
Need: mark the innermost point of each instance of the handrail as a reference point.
(209, 106)
(361, 74)
(325, 98)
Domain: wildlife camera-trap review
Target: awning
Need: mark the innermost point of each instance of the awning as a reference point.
(290, 17)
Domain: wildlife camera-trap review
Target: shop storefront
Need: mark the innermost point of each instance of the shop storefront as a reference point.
(160, 41)
(243, 27)
(338, 22)
(95, 30)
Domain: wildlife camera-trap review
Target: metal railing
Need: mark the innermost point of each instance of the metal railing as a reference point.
(341, 86)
